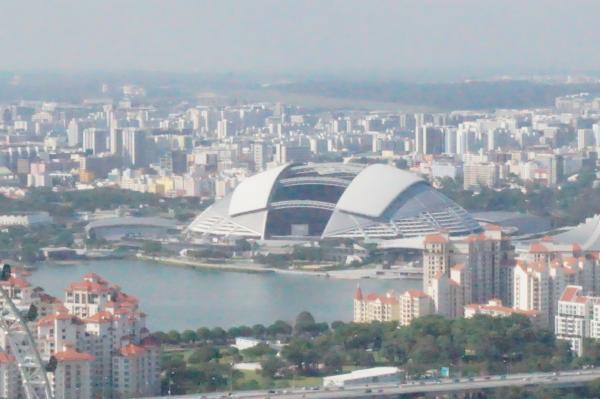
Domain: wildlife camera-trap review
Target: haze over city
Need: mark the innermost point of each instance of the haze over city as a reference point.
(429, 39)
(299, 199)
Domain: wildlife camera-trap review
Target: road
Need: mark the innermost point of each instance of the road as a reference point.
(565, 378)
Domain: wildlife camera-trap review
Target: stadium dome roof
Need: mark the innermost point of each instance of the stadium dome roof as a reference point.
(333, 200)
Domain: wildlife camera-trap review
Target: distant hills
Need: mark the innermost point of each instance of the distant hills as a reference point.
(318, 92)
(446, 96)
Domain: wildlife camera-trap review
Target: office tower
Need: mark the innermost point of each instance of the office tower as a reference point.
(135, 148)
(74, 134)
(407, 122)
(285, 153)
(259, 156)
(318, 145)
(174, 162)
(429, 140)
(196, 118)
(585, 138)
(225, 129)
(94, 140)
(116, 141)
(450, 140)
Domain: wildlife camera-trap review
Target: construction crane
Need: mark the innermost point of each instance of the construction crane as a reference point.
(22, 346)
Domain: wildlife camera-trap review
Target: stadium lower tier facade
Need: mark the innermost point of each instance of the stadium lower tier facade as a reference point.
(333, 200)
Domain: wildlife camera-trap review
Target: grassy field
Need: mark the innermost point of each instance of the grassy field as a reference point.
(262, 382)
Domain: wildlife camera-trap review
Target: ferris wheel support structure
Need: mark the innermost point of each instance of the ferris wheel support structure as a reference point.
(23, 348)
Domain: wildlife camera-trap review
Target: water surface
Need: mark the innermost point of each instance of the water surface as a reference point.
(183, 297)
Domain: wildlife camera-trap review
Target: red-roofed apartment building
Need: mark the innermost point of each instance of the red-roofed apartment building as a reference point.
(97, 321)
(577, 317)
(538, 285)
(487, 260)
(72, 377)
(391, 307)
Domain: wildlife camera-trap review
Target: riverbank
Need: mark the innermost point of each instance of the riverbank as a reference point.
(343, 274)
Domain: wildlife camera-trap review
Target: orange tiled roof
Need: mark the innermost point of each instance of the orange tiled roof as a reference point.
(71, 355)
(51, 318)
(132, 350)
(6, 358)
(358, 294)
(570, 294)
(15, 282)
(435, 239)
(100, 317)
(90, 286)
(537, 247)
(416, 293)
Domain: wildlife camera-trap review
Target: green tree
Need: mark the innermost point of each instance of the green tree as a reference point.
(304, 322)
(32, 313)
(218, 335)
(280, 327)
(174, 337)
(204, 354)
(301, 353)
(271, 365)
(259, 331)
(258, 351)
(203, 334)
(189, 336)
(152, 247)
(333, 361)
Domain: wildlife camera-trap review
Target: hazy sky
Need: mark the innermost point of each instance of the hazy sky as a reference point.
(300, 36)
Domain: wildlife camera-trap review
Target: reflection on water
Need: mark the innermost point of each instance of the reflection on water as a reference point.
(180, 298)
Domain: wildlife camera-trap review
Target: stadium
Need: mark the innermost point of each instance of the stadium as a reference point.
(333, 200)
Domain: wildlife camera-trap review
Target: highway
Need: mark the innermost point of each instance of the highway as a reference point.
(564, 379)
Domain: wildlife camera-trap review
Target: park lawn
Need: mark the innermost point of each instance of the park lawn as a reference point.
(301, 381)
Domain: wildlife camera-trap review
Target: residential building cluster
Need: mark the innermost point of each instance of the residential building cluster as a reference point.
(205, 149)
(556, 285)
(96, 338)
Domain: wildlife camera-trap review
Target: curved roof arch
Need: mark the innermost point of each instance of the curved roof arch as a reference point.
(253, 193)
(374, 189)
(379, 201)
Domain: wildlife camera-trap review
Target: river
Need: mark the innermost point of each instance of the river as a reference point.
(183, 297)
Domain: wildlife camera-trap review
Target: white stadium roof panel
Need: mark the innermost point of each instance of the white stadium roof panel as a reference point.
(374, 189)
(380, 201)
(253, 193)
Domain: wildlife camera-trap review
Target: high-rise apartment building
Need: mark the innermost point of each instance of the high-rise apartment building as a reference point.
(577, 318)
(135, 148)
(429, 140)
(97, 336)
(95, 140)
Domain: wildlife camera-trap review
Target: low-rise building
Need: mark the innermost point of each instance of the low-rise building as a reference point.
(495, 308)
(25, 219)
(373, 375)
(403, 308)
